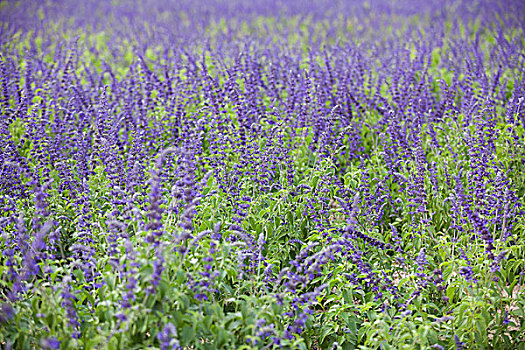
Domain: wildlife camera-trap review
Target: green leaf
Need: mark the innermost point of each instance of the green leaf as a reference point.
(352, 326)
(290, 218)
(188, 335)
(347, 296)
(222, 338)
(326, 330)
(450, 292)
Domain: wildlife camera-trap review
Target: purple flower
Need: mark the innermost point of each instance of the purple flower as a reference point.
(6, 313)
(459, 344)
(168, 337)
(50, 343)
(68, 303)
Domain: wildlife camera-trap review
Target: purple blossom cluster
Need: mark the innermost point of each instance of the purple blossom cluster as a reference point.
(178, 176)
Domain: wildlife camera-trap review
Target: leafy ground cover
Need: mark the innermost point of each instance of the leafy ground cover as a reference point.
(334, 175)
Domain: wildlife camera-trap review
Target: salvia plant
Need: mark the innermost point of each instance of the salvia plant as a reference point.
(262, 175)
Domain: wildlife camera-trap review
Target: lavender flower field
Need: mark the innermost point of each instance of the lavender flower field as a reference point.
(262, 174)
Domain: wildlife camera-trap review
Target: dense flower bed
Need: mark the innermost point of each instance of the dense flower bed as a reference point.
(265, 174)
